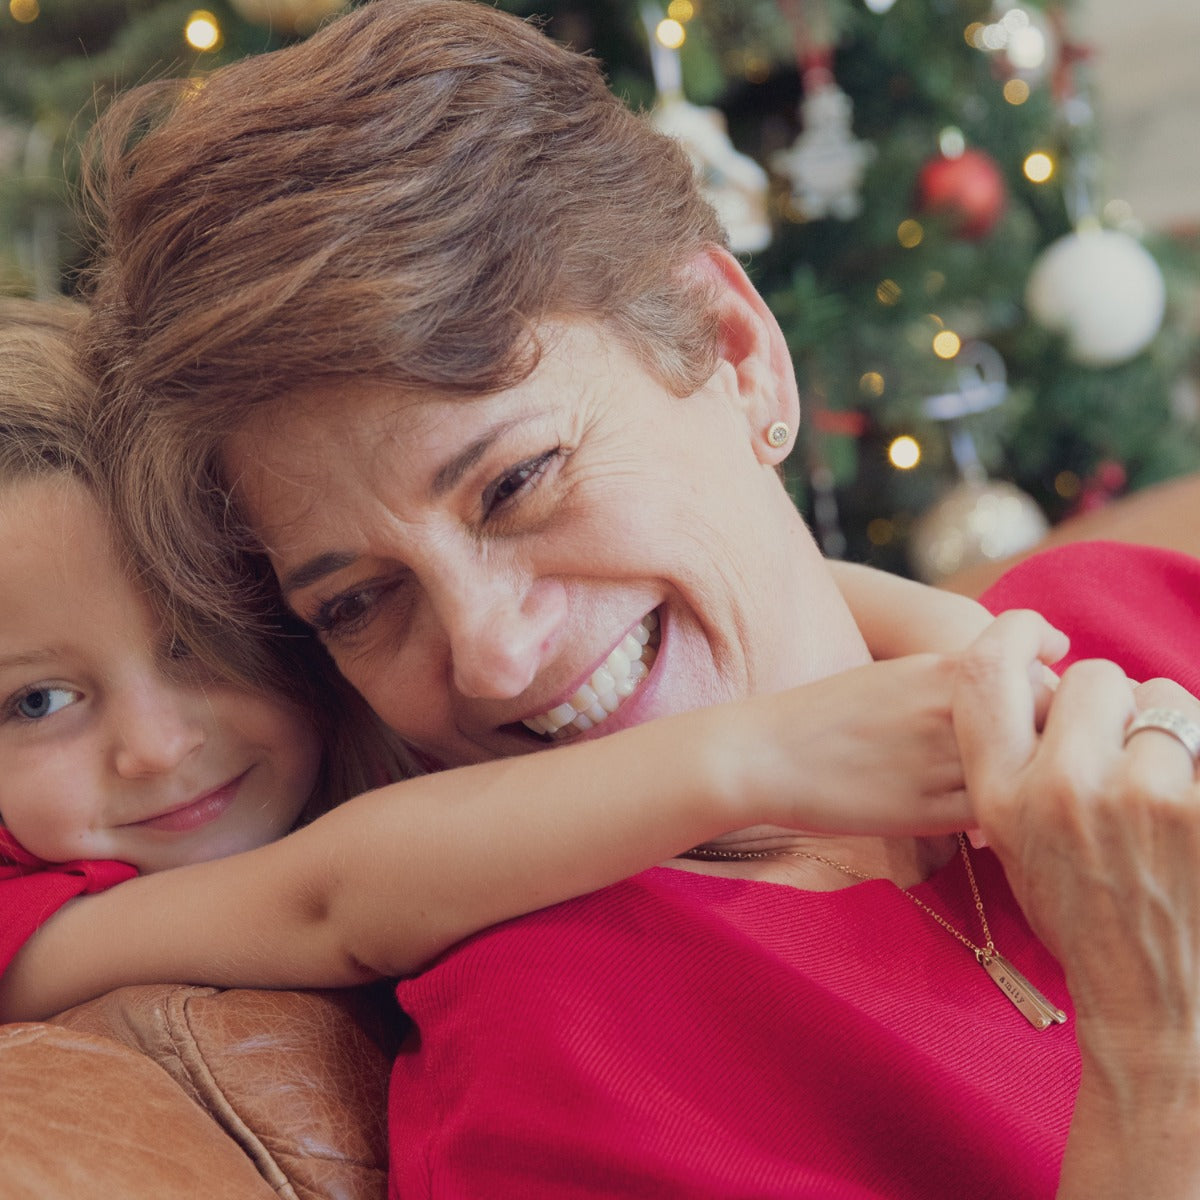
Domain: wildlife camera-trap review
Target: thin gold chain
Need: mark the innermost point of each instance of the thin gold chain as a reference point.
(988, 949)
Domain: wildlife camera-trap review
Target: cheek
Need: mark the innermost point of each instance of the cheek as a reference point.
(296, 746)
(402, 670)
(44, 808)
(408, 707)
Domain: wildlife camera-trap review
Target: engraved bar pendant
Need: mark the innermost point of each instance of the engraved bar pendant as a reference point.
(1032, 1005)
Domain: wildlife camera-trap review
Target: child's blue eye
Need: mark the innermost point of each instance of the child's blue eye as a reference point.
(45, 701)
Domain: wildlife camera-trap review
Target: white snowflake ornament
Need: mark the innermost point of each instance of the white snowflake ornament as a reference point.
(826, 163)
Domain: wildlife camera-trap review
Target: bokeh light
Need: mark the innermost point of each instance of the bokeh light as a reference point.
(881, 531)
(888, 292)
(951, 141)
(904, 453)
(670, 33)
(946, 343)
(202, 31)
(871, 384)
(1016, 91)
(1038, 167)
(1067, 485)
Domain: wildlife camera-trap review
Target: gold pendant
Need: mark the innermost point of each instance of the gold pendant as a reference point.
(1032, 1005)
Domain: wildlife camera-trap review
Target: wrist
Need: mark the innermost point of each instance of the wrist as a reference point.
(1133, 1132)
(746, 765)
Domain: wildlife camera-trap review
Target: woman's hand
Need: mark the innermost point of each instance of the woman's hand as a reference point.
(1101, 843)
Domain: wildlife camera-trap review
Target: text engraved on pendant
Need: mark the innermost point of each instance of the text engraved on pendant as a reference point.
(1032, 1005)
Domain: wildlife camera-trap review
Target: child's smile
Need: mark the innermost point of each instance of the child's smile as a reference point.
(110, 746)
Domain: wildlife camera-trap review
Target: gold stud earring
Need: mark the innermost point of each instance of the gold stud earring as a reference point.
(778, 434)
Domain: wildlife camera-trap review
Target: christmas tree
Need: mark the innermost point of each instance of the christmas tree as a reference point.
(984, 340)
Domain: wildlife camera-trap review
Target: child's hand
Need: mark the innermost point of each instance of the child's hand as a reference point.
(874, 750)
(871, 750)
(1000, 646)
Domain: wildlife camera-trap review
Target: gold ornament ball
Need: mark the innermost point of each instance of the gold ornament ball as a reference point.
(976, 521)
(288, 16)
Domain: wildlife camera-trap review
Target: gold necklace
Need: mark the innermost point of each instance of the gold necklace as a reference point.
(1031, 1004)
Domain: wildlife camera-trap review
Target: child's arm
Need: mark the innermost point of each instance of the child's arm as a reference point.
(391, 878)
(898, 616)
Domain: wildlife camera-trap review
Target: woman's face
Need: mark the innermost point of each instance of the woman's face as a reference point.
(490, 572)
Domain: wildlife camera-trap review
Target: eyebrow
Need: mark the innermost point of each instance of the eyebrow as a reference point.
(35, 659)
(451, 473)
(447, 476)
(315, 569)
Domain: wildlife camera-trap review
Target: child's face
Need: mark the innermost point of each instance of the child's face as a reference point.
(107, 749)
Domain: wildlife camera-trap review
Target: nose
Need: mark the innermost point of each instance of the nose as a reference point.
(500, 632)
(157, 726)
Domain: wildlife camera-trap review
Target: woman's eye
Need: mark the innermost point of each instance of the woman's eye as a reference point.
(522, 476)
(345, 614)
(41, 702)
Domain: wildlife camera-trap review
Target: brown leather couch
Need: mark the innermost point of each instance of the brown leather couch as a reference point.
(193, 1093)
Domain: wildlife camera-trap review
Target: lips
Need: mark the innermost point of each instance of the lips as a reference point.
(610, 685)
(196, 813)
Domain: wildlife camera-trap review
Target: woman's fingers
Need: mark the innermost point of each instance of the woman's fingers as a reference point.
(1085, 727)
(1166, 728)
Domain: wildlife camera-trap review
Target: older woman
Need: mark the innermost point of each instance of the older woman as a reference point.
(421, 310)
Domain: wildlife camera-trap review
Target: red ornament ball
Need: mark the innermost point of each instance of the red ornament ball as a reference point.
(968, 189)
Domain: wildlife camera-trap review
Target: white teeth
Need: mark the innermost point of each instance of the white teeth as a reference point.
(557, 717)
(611, 683)
(603, 682)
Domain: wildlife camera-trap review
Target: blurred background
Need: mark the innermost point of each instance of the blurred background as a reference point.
(978, 222)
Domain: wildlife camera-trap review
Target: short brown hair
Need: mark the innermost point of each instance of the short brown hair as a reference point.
(403, 197)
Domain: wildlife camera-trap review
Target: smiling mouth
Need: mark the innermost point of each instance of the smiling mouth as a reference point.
(610, 685)
(197, 813)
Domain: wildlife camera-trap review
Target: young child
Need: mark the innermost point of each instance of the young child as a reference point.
(122, 755)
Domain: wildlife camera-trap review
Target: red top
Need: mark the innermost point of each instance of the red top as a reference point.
(1135, 604)
(32, 891)
(682, 1036)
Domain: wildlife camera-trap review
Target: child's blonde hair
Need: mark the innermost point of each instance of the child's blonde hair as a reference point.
(45, 399)
(42, 392)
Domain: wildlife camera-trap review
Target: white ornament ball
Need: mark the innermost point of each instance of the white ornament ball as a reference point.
(288, 16)
(1102, 290)
(976, 521)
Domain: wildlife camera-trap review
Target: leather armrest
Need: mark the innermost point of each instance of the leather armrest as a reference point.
(298, 1080)
(81, 1115)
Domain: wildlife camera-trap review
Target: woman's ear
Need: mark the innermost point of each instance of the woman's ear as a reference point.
(751, 341)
